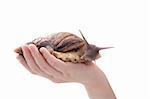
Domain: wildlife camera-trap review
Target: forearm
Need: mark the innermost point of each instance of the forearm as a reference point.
(99, 88)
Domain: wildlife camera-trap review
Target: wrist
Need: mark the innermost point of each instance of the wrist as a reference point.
(97, 81)
(99, 87)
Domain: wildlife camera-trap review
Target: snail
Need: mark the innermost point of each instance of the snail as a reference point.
(68, 47)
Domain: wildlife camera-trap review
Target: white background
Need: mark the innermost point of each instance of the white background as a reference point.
(123, 24)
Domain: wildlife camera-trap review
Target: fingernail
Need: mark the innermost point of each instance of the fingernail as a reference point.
(42, 49)
(31, 45)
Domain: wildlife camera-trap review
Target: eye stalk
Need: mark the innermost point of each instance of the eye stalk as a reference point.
(84, 38)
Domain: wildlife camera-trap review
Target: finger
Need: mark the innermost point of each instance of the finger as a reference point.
(31, 63)
(42, 63)
(21, 59)
(52, 60)
(23, 62)
(29, 60)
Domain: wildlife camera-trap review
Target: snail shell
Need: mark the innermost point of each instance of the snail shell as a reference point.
(63, 45)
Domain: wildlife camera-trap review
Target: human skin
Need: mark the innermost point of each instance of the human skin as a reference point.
(42, 63)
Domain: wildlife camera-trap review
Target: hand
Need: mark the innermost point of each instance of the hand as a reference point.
(42, 63)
